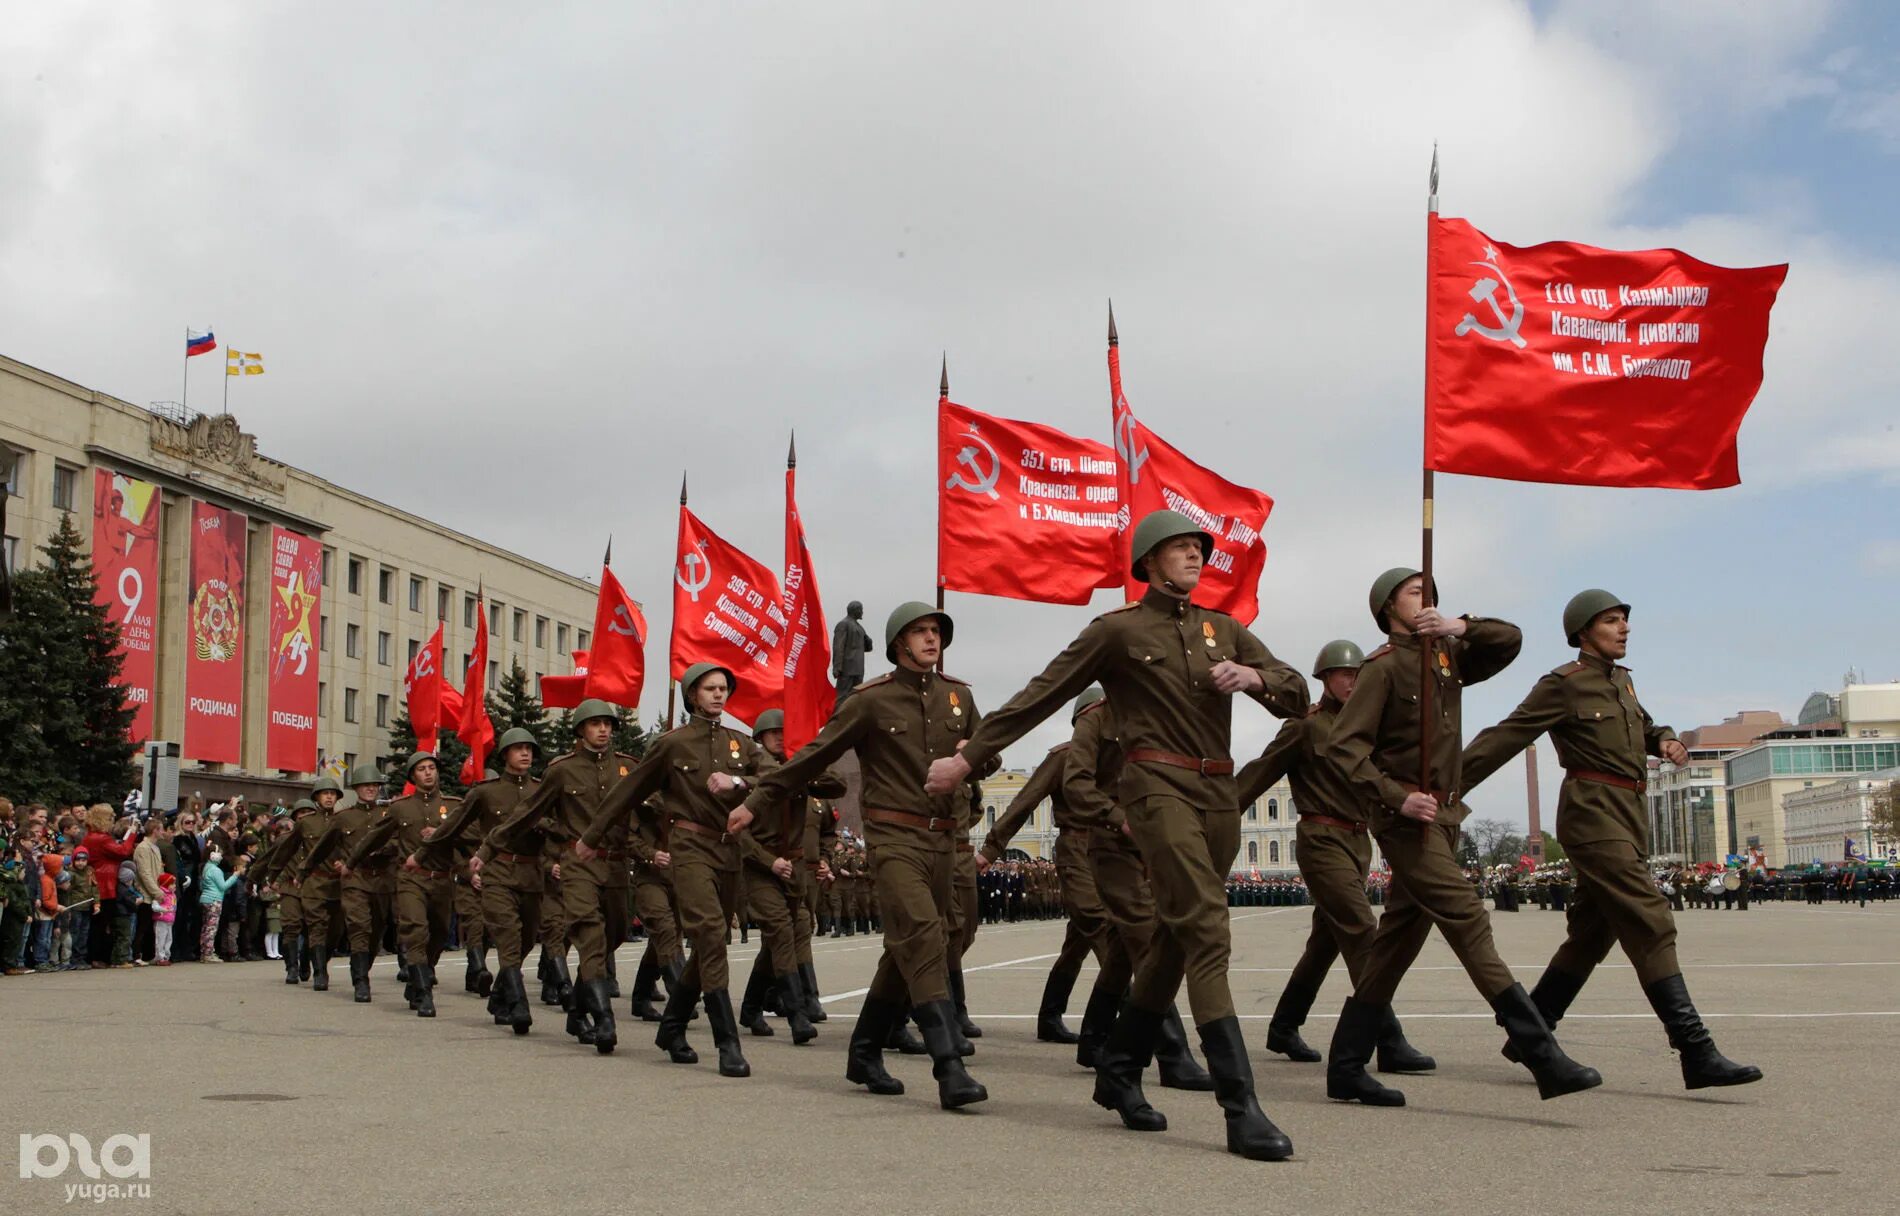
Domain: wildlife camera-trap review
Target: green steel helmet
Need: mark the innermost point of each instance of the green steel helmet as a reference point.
(591, 708)
(514, 735)
(771, 719)
(302, 805)
(1586, 606)
(700, 671)
(1090, 696)
(408, 770)
(1336, 654)
(1164, 525)
(326, 785)
(1383, 589)
(904, 616)
(366, 774)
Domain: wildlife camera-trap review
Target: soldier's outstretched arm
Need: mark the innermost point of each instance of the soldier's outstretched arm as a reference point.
(838, 736)
(1271, 765)
(321, 849)
(511, 834)
(1046, 780)
(1066, 675)
(437, 850)
(629, 792)
(1490, 646)
(1081, 775)
(826, 785)
(1283, 689)
(1544, 708)
(377, 836)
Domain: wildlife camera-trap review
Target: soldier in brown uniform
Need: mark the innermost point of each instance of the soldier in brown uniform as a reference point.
(594, 884)
(368, 890)
(1376, 741)
(658, 909)
(821, 829)
(965, 916)
(509, 888)
(317, 887)
(898, 724)
(774, 852)
(470, 927)
(277, 870)
(1170, 669)
(424, 895)
(1603, 734)
(1333, 850)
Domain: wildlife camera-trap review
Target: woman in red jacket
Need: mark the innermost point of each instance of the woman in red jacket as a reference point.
(106, 852)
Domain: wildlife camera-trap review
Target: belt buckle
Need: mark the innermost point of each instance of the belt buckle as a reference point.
(934, 821)
(1202, 765)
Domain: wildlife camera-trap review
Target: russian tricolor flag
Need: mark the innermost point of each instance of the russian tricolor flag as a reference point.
(199, 344)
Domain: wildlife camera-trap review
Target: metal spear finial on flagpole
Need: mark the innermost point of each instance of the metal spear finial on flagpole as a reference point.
(943, 385)
(1114, 339)
(791, 452)
(608, 558)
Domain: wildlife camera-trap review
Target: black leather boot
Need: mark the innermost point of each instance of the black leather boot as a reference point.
(725, 1033)
(601, 1005)
(1098, 1018)
(563, 982)
(864, 1058)
(501, 996)
(1250, 1133)
(1354, 1040)
(1124, 1056)
(425, 992)
(1289, 1014)
(1702, 1065)
(1174, 1060)
(1553, 995)
(478, 962)
(903, 1042)
(1055, 999)
(520, 1013)
(412, 986)
(751, 1015)
(646, 988)
(359, 975)
(965, 1027)
(814, 1008)
(402, 970)
(303, 959)
(291, 957)
(580, 1016)
(320, 967)
(791, 997)
(1395, 1053)
(613, 976)
(671, 975)
(550, 990)
(955, 1086)
(671, 1037)
(1557, 1074)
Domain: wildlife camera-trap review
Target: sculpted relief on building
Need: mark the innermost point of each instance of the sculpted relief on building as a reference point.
(215, 442)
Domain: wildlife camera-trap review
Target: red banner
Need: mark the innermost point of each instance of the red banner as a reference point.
(1023, 510)
(1155, 475)
(1566, 363)
(125, 560)
(472, 724)
(214, 662)
(805, 662)
(617, 664)
(726, 610)
(296, 582)
(566, 692)
(422, 689)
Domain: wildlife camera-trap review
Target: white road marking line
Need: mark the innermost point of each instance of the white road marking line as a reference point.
(1034, 958)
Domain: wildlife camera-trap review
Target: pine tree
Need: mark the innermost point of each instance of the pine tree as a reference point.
(65, 723)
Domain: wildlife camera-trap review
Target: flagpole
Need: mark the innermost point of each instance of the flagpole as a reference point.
(1429, 592)
(184, 392)
(671, 688)
(943, 399)
(227, 377)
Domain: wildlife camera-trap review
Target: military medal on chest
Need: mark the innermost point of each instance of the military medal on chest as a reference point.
(1207, 633)
(1444, 664)
(442, 812)
(955, 706)
(734, 745)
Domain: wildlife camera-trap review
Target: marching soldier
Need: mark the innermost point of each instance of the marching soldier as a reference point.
(594, 883)
(1170, 670)
(821, 829)
(368, 890)
(898, 724)
(424, 895)
(322, 911)
(1334, 853)
(278, 870)
(685, 767)
(1602, 735)
(510, 889)
(658, 909)
(1376, 741)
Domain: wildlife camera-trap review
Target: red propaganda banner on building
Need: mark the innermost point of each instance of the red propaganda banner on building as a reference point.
(125, 560)
(1567, 363)
(726, 610)
(214, 659)
(805, 658)
(290, 696)
(1023, 510)
(1158, 476)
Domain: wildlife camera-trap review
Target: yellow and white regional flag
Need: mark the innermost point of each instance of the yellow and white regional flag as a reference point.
(242, 363)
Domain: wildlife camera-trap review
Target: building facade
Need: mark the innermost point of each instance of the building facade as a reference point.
(1822, 819)
(388, 576)
(1760, 779)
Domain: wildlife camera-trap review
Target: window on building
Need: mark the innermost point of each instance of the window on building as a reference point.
(468, 612)
(1291, 846)
(1273, 852)
(443, 596)
(65, 484)
(494, 674)
(356, 576)
(540, 633)
(560, 638)
(521, 626)
(382, 709)
(466, 656)
(1253, 812)
(12, 469)
(323, 633)
(385, 586)
(494, 619)
(349, 760)
(415, 594)
(352, 641)
(382, 648)
(582, 639)
(415, 647)
(1273, 808)
(1253, 852)
(328, 555)
(323, 699)
(349, 705)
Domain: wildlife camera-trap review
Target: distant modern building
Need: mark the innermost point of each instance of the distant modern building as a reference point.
(1820, 820)
(1684, 823)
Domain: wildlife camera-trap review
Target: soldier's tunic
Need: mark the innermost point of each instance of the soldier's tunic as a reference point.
(654, 900)
(1154, 658)
(593, 892)
(424, 897)
(965, 911)
(510, 897)
(821, 830)
(317, 887)
(368, 893)
(1375, 741)
(1602, 734)
(1091, 770)
(693, 830)
(275, 869)
(1088, 919)
(774, 902)
(898, 724)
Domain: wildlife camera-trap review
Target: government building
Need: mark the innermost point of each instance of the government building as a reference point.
(146, 480)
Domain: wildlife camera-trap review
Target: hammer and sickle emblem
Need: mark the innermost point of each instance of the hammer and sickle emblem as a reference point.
(1125, 446)
(622, 623)
(685, 576)
(1484, 291)
(984, 483)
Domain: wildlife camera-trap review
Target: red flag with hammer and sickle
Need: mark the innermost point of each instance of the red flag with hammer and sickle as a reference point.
(617, 664)
(727, 610)
(422, 691)
(473, 725)
(805, 656)
(1024, 510)
(1583, 366)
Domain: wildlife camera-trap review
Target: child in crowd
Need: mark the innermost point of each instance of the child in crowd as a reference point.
(162, 918)
(212, 886)
(82, 900)
(46, 910)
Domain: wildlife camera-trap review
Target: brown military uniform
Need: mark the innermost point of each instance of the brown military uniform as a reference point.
(1375, 741)
(510, 895)
(424, 897)
(368, 892)
(317, 888)
(275, 868)
(776, 903)
(1091, 768)
(1154, 658)
(1602, 734)
(654, 900)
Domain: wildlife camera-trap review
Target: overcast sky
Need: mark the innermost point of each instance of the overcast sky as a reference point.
(515, 267)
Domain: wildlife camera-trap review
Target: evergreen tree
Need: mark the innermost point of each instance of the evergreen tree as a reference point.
(65, 722)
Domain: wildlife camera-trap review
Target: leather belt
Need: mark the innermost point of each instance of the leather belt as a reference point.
(929, 823)
(512, 857)
(421, 873)
(1332, 822)
(1623, 783)
(1444, 797)
(1206, 768)
(698, 829)
(604, 854)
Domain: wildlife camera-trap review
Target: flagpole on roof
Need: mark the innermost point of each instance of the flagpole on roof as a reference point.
(227, 378)
(672, 688)
(184, 393)
(1429, 592)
